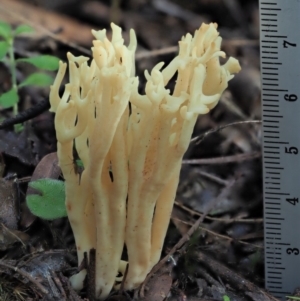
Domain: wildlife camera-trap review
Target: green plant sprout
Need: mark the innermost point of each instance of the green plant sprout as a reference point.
(10, 98)
(49, 204)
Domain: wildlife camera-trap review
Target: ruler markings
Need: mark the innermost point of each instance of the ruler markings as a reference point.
(276, 142)
(278, 90)
(270, 41)
(277, 132)
(266, 8)
(280, 193)
(280, 292)
(270, 68)
(275, 36)
(279, 50)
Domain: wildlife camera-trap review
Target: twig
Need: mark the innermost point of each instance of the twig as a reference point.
(235, 280)
(172, 49)
(224, 160)
(226, 220)
(25, 275)
(212, 177)
(187, 236)
(218, 234)
(91, 274)
(199, 139)
(13, 234)
(147, 54)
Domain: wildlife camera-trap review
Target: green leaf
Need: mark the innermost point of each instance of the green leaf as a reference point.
(226, 298)
(50, 203)
(5, 30)
(19, 127)
(3, 49)
(37, 79)
(23, 29)
(9, 98)
(44, 62)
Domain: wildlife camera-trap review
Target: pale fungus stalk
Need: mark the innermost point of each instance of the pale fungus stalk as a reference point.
(131, 146)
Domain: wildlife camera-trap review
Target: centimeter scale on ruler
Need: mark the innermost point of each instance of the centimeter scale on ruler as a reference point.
(280, 72)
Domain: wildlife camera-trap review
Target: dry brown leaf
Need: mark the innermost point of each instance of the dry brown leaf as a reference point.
(158, 288)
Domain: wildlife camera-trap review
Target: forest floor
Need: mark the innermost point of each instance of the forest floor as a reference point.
(215, 238)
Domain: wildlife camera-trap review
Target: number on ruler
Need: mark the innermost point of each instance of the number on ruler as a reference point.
(292, 201)
(294, 251)
(290, 97)
(291, 150)
(286, 44)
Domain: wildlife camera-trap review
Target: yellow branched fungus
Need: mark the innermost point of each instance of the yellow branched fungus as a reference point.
(131, 146)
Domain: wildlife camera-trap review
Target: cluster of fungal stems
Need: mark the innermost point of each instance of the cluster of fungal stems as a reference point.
(131, 146)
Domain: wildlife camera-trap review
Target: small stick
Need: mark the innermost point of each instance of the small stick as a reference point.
(25, 275)
(199, 139)
(224, 160)
(91, 274)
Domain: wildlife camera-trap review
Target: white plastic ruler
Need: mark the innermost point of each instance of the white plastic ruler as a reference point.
(280, 72)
